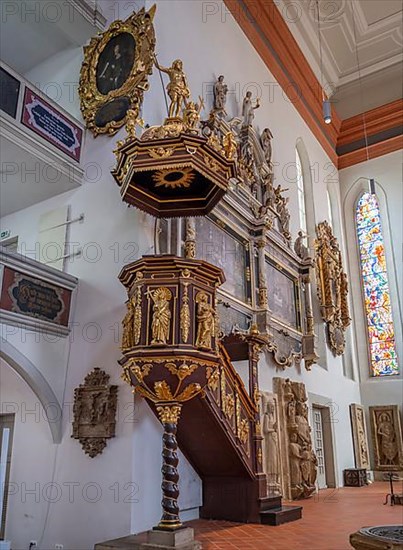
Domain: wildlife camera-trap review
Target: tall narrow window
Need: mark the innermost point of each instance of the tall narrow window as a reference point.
(301, 192)
(329, 209)
(381, 334)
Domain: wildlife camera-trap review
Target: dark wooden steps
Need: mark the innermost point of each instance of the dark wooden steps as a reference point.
(280, 515)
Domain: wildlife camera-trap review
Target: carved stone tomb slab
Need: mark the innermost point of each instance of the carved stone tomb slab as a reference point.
(360, 440)
(299, 462)
(386, 437)
(272, 464)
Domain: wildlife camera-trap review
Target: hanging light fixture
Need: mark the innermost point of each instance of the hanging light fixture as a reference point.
(364, 122)
(326, 106)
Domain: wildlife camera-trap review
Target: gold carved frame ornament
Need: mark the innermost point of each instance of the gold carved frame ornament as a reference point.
(111, 85)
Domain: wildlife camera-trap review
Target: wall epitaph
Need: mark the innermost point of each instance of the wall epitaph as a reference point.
(94, 411)
(332, 287)
(386, 438)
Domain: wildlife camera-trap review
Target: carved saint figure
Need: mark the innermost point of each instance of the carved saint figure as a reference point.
(301, 420)
(271, 443)
(295, 461)
(265, 140)
(205, 320)
(191, 115)
(128, 334)
(178, 89)
(299, 248)
(388, 438)
(248, 109)
(161, 315)
(220, 94)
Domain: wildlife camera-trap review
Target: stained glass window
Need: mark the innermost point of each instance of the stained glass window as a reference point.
(381, 335)
(301, 192)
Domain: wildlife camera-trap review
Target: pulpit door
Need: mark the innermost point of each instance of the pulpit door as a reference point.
(319, 446)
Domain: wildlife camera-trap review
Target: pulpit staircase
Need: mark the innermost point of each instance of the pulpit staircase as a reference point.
(219, 433)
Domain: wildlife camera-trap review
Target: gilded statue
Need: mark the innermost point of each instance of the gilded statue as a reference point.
(178, 89)
(191, 114)
(229, 145)
(220, 95)
(127, 323)
(161, 315)
(205, 320)
(248, 109)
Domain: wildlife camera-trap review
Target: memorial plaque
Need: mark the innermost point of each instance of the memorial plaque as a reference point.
(46, 121)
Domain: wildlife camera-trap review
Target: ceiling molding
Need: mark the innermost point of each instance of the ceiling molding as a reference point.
(270, 35)
(265, 27)
(374, 151)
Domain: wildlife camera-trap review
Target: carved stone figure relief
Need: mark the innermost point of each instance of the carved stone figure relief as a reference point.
(205, 320)
(271, 433)
(299, 463)
(361, 453)
(160, 327)
(94, 411)
(386, 437)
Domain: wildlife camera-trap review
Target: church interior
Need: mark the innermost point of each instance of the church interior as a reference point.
(201, 275)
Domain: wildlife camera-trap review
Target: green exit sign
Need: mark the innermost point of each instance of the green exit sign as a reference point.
(4, 234)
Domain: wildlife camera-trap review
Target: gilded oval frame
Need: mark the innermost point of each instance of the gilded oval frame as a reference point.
(140, 27)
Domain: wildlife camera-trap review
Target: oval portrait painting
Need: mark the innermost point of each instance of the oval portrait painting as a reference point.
(115, 63)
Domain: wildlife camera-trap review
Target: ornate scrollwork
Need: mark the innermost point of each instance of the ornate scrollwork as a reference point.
(115, 72)
(332, 287)
(185, 315)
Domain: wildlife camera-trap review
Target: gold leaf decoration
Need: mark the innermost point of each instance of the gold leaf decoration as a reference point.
(163, 391)
(189, 392)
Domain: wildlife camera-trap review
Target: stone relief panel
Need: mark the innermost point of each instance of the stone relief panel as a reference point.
(360, 440)
(386, 437)
(299, 462)
(271, 446)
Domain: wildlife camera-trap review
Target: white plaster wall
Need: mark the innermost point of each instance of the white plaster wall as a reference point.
(387, 172)
(112, 235)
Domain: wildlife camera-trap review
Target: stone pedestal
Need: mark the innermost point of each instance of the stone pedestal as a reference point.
(182, 539)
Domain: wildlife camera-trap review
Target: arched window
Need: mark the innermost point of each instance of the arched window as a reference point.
(381, 334)
(301, 192)
(329, 209)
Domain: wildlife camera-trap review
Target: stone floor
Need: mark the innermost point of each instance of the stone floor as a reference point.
(327, 521)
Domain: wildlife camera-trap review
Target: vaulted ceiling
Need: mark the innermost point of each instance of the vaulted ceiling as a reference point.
(361, 44)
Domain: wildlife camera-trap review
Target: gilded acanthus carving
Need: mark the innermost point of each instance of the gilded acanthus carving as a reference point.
(272, 453)
(361, 453)
(94, 410)
(386, 437)
(332, 287)
(299, 461)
